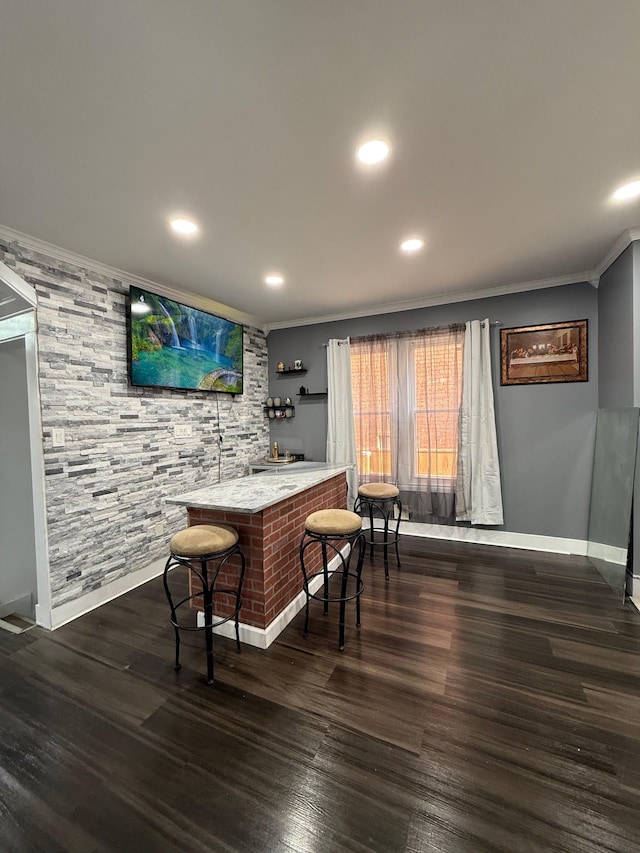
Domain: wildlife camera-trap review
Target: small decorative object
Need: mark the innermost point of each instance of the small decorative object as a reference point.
(302, 391)
(287, 454)
(287, 401)
(288, 412)
(269, 401)
(297, 364)
(280, 366)
(272, 413)
(555, 352)
(277, 402)
(279, 414)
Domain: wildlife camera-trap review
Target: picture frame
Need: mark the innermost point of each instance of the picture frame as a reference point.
(544, 354)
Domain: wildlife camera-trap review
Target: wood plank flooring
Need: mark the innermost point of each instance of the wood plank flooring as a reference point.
(489, 702)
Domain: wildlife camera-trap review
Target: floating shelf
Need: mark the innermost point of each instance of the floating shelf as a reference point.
(280, 412)
(313, 394)
(287, 372)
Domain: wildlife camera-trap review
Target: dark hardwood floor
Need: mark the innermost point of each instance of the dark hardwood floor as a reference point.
(490, 702)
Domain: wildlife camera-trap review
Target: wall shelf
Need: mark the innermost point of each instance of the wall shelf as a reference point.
(313, 394)
(289, 372)
(279, 412)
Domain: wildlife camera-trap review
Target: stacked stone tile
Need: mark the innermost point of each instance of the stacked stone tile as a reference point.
(105, 488)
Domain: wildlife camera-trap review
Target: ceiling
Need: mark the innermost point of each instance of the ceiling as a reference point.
(511, 123)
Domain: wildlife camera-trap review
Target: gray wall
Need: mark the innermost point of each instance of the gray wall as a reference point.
(105, 489)
(545, 432)
(635, 247)
(616, 334)
(619, 338)
(18, 556)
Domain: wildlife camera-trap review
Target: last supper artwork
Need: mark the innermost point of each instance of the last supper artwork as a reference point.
(555, 352)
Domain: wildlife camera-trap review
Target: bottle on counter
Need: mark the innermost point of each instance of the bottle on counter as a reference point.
(275, 449)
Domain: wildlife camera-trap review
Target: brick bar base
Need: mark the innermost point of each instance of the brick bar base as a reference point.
(270, 541)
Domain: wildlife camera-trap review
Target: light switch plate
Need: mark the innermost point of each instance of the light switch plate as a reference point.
(57, 437)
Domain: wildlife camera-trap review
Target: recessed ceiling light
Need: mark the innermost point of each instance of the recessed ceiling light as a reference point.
(183, 227)
(373, 151)
(627, 191)
(412, 244)
(274, 279)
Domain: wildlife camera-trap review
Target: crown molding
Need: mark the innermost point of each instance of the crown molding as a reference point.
(33, 243)
(67, 256)
(624, 240)
(438, 299)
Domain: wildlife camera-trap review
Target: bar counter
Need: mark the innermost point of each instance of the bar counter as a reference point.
(269, 510)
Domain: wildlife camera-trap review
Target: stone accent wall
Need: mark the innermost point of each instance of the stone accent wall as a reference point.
(106, 488)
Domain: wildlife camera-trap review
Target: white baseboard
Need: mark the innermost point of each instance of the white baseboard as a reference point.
(501, 538)
(263, 637)
(79, 606)
(608, 553)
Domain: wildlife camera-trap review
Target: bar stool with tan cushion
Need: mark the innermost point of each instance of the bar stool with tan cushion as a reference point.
(207, 550)
(335, 530)
(379, 501)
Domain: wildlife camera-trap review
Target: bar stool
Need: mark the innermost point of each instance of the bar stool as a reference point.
(205, 549)
(379, 500)
(333, 528)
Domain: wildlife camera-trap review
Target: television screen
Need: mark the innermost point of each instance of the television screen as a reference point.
(172, 345)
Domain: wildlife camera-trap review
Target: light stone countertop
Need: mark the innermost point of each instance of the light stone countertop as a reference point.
(259, 491)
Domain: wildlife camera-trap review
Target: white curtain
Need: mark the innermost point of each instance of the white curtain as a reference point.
(478, 492)
(341, 439)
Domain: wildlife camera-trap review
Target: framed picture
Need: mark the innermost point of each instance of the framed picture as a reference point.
(555, 352)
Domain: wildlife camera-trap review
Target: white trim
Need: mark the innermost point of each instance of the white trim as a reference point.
(17, 284)
(624, 240)
(23, 326)
(17, 325)
(27, 241)
(262, 638)
(439, 299)
(85, 603)
(43, 575)
(501, 538)
(608, 553)
(66, 256)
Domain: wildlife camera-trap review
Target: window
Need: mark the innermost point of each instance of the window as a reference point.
(436, 379)
(371, 410)
(406, 399)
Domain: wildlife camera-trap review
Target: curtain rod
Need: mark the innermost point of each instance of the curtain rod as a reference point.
(408, 333)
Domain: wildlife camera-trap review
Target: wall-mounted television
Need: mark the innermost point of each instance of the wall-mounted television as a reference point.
(171, 345)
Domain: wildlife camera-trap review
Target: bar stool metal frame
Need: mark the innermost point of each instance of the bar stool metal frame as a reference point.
(208, 592)
(329, 541)
(378, 508)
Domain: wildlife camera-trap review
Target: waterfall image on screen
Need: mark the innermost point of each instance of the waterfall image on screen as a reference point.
(172, 345)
